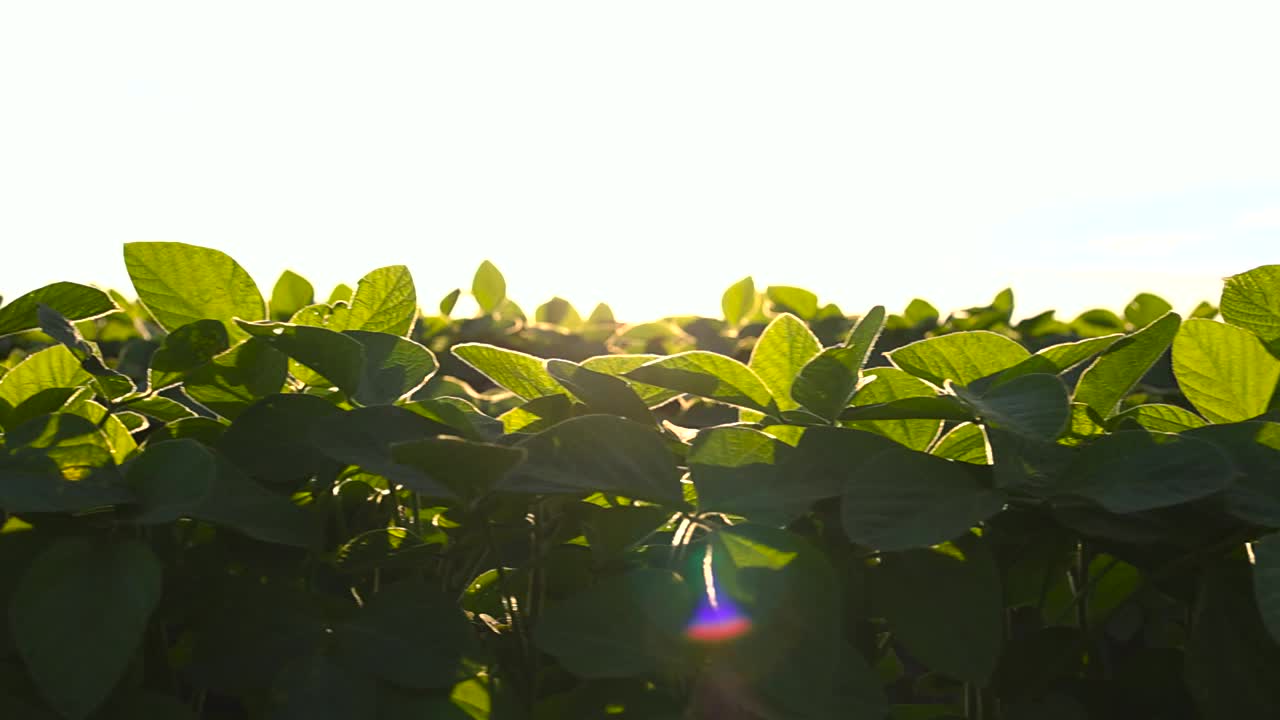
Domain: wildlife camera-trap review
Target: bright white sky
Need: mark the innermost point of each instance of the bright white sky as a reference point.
(650, 154)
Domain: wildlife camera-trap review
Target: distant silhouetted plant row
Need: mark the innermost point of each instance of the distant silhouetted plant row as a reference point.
(218, 506)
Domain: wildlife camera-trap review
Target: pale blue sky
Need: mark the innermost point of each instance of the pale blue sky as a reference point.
(649, 154)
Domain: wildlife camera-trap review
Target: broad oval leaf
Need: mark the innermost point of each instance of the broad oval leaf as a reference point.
(1105, 383)
(77, 657)
(291, 293)
(1035, 405)
(598, 453)
(785, 346)
(179, 284)
(890, 385)
(1251, 300)
(385, 301)
(237, 378)
(960, 357)
(901, 499)
(72, 301)
(337, 357)
(600, 392)
(271, 440)
(738, 300)
(521, 373)
(186, 349)
(489, 287)
(394, 367)
(53, 367)
(1225, 371)
(1134, 470)
(956, 631)
(171, 479)
(709, 375)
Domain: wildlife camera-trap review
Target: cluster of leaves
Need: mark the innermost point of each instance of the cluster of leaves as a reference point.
(215, 506)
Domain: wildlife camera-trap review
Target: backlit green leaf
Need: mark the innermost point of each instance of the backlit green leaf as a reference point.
(1105, 383)
(709, 375)
(488, 287)
(337, 357)
(784, 347)
(522, 374)
(1225, 371)
(291, 293)
(180, 283)
(738, 300)
(75, 302)
(1251, 300)
(385, 301)
(959, 357)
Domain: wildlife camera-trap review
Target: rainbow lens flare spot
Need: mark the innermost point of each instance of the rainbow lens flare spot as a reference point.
(717, 623)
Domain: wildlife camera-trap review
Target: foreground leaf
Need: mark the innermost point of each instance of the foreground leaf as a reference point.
(598, 453)
(76, 657)
(179, 284)
(709, 375)
(385, 301)
(1251, 300)
(1105, 383)
(785, 346)
(959, 357)
(521, 373)
(1224, 371)
(72, 301)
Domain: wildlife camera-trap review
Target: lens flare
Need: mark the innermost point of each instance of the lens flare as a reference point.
(716, 619)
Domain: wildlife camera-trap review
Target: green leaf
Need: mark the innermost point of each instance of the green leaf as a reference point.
(537, 415)
(1036, 406)
(409, 635)
(291, 293)
(1160, 418)
(522, 374)
(394, 367)
(827, 383)
(625, 625)
(337, 357)
(936, 407)
(75, 302)
(1095, 323)
(1145, 309)
(1231, 660)
(901, 499)
(28, 486)
(488, 287)
(558, 311)
(1134, 470)
(364, 437)
(1105, 383)
(960, 357)
(945, 606)
(707, 374)
(238, 377)
(598, 453)
(785, 346)
(741, 471)
(385, 301)
(1266, 580)
(920, 314)
(1251, 300)
(600, 392)
(1059, 358)
(109, 383)
(793, 299)
(186, 349)
(341, 294)
(862, 338)
(76, 657)
(469, 469)
(171, 480)
(889, 385)
(1254, 450)
(601, 314)
(179, 284)
(966, 442)
(448, 302)
(1224, 371)
(241, 504)
(161, 408)
(738, 300)
(271, 439)
(620, 365)
(53, 367)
